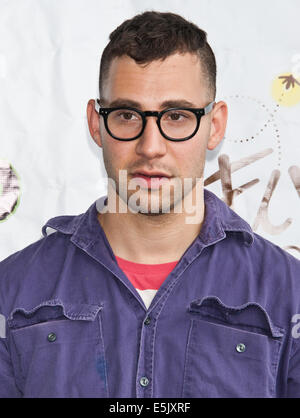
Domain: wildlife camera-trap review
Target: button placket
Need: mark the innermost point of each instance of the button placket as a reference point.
(144, 381)
(147, 321)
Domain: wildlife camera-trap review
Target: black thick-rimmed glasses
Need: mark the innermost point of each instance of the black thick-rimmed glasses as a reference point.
(175, 124)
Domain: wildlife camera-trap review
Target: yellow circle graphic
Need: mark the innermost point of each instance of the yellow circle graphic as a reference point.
(286, 90)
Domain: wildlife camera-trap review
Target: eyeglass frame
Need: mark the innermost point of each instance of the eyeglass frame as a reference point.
(199, 112)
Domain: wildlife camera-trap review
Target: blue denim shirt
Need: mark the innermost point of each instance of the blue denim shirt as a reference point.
(219, 326)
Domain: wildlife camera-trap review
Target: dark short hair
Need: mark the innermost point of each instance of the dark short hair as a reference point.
(151, 36)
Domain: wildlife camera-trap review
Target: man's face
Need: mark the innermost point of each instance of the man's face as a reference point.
(178, 78)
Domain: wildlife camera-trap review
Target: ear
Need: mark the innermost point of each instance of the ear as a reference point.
(94, 122)
(219, 117)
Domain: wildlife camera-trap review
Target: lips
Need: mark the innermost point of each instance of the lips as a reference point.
(153, 179)
(155, 174)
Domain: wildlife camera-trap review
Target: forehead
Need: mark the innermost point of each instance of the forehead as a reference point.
(179, 76)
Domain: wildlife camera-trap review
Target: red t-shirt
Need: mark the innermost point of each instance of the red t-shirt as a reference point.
(146, 278)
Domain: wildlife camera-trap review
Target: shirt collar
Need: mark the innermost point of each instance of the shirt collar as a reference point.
(219, 219)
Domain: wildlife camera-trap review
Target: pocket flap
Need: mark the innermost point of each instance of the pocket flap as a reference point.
(51, 310)
(249, 315)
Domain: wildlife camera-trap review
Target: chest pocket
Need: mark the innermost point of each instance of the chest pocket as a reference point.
(58, 350)
(231, 351)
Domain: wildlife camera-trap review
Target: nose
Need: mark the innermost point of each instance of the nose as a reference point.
(151, 144)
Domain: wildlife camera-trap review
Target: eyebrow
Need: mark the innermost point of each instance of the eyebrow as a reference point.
(132, 103)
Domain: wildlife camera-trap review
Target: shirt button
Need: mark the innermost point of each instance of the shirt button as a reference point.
(240, 348)
(51, 337)
(144, 381)
(147, 321)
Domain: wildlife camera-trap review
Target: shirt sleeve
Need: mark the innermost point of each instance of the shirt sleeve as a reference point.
(8, 387)
(293, 383)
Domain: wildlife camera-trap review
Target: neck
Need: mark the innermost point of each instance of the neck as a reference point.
(154, 239)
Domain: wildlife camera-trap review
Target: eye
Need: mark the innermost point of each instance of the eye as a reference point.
(127, 115)
(177, 116)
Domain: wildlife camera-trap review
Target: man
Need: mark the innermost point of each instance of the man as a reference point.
(159, 289)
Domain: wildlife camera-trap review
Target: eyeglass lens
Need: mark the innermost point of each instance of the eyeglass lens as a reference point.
(176, 124)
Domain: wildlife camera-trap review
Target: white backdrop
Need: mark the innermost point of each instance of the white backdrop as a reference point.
(49, 65)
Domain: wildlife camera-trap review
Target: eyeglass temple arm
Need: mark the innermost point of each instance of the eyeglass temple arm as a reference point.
(97, 105)
(208, 108)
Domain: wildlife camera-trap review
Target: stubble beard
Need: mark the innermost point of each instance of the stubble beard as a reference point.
(169, 198)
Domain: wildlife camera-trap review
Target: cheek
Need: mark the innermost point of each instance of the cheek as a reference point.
(116, 153)
(190, 158)
(190, 167)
